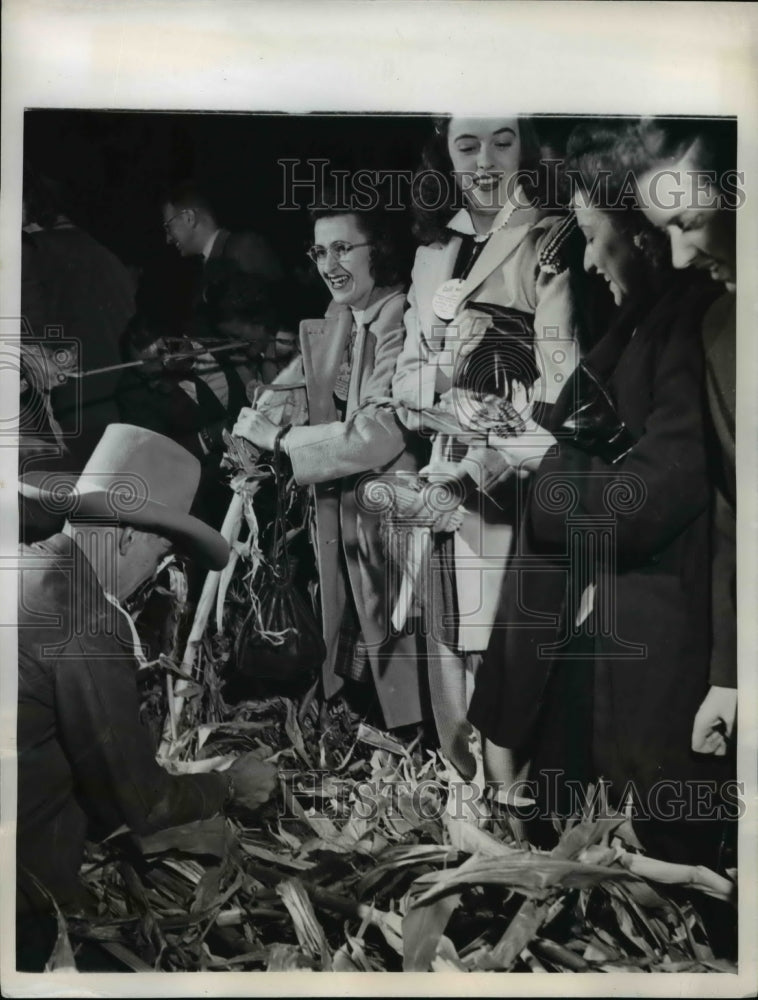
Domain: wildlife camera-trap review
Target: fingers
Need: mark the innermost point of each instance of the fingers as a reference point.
(441, 472)
(714, 743)
(520, 400)
(413, 508)
(247, 423)
(708, 737)
(449, 521)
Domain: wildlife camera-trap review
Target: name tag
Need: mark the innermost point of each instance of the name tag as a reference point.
(447, 298)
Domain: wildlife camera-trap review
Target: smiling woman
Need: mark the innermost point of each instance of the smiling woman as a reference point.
(342, 256)
(486, 157)
(348, 361)
(630, 421)
(483, 265)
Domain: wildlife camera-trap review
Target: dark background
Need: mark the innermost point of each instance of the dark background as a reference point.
(115, 165)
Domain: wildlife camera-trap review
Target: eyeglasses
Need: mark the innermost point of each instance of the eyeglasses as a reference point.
(339, 250)
(168, 222)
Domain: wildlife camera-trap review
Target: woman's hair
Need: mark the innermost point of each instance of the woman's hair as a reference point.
(600, 159)
(389, 251)
(435, 177)
(711, 143)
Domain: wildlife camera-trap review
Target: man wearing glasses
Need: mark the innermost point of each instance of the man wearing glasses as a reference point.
(191, 225)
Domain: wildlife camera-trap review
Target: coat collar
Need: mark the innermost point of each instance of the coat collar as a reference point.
(323, 347)
(217, 247)
(462, 222)
(500, 245)
(377, 300)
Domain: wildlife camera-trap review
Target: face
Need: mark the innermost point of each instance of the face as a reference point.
(179, 229)
(349, 280)
(608, 251)
(485, 153)
(140, 554)
(285, 343)
(684, 205)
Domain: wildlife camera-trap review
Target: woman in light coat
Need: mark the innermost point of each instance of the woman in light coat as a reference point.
(348, 361)
(488, 248)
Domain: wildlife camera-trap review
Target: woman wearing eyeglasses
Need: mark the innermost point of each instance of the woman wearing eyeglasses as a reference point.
(489, 265)
(348, 361)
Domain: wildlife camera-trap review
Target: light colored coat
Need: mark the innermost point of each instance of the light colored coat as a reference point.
(334, 457)
(506, 273)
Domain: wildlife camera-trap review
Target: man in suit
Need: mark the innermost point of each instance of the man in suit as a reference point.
(191, 225)
(687, 189)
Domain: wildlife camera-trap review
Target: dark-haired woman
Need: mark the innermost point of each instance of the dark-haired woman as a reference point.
(348, 360)
(488, 251)
(605, 660)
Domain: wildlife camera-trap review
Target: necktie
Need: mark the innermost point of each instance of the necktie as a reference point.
(342, 384)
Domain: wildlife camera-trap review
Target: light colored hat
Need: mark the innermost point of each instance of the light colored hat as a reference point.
(137, 477)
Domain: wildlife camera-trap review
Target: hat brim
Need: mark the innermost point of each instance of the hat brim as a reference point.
(57, 494)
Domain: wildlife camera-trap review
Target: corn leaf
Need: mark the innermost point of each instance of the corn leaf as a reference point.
(423, 926)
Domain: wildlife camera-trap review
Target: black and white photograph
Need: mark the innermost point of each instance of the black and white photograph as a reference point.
(379, 470)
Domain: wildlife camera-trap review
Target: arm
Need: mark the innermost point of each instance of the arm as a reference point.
(115, 771)
(555, 342)
(724, 593)
(370, 438)
(415, 374)
(549, 297)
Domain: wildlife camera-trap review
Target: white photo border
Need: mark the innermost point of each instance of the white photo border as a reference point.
(388, 56)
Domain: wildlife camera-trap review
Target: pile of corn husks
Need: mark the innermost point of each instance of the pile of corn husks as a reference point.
(365, 860)
(372, 856)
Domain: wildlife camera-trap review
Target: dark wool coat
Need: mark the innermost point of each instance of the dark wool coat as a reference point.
(651, 510)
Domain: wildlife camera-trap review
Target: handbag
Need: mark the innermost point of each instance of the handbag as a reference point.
(503, 354)
(280, 643)
(485, 374)
(594, 425)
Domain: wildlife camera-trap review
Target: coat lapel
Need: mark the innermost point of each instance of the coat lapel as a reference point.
(217, 250)
(375, 320)
(323, 345)
(434, 265)
(498, 248)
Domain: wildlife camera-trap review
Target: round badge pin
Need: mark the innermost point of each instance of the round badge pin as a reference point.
(447, 298)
